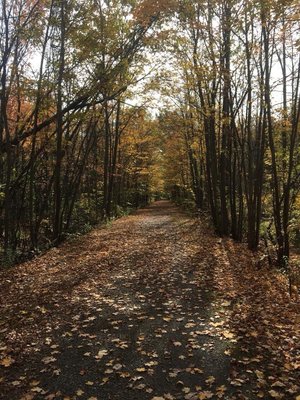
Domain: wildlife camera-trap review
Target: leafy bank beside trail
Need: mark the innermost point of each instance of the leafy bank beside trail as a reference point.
(155, 306)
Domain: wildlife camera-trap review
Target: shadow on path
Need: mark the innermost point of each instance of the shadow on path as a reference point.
(126, 312)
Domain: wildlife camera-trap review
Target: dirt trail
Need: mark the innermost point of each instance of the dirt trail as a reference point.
(132, 311)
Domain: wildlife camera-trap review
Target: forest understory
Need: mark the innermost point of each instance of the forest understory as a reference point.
(153, 306)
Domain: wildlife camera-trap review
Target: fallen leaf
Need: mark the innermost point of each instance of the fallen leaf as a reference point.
(48, 360)
(205, 395)
(210, 380)
(37, 389)
(141, 386)
(101, 354)
(141, 369)
(228, 335)
(34, 383)
(168, 396)
(259, 374)
(104, 381)
(7, 361)
(278, 384)
(226, 303)
(275, 394)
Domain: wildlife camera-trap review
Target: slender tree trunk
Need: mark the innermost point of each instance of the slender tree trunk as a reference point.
(5, 133)
(33, 232)
(57, 228)
(114, 159)
(275, 178)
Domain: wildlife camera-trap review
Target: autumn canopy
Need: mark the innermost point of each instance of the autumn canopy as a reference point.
(106, 105)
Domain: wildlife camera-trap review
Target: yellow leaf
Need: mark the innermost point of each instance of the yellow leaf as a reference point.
(7, 361)
(48, 360)
(278, 384)
(210, 380)
(34, 383)
(168, 396)
(101, 354)
(275, 394)
(226, 303)
(221, 389)
(198, 371)
(123, 375)
(37, 389)
(228, 335)
(205, 395)
(259, 374)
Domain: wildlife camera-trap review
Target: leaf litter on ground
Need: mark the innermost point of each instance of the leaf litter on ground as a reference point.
(154, 304)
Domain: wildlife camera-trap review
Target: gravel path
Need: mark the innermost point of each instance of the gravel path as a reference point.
(125, 312)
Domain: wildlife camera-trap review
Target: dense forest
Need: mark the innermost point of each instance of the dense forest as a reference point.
(149, 200)
(109, 104)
